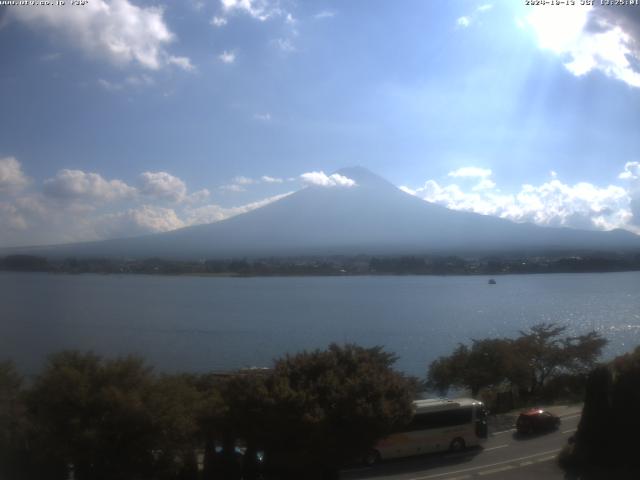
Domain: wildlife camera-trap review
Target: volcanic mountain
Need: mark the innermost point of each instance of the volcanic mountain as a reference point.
(372, 217)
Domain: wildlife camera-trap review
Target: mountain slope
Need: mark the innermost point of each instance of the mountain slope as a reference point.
(372, 217)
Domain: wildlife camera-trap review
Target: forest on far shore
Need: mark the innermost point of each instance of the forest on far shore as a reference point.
(591, 262)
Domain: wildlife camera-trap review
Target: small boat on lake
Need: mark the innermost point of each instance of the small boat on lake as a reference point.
(491, 281)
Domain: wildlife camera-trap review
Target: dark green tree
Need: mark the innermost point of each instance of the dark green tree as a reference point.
(13, 423)
(93, 414)
(334, 405)
(487, 363)
(605, 444)
(527, 362)
(544, 353)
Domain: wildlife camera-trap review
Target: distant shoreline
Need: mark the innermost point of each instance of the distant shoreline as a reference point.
(332, 266)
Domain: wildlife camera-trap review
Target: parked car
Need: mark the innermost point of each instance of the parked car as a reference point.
(537, 420)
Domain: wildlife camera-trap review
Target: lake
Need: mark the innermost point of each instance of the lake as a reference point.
(182, 323)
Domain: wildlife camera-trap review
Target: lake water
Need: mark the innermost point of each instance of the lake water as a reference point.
(206, 323)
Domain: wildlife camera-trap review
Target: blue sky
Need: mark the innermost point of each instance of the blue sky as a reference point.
(126, 117)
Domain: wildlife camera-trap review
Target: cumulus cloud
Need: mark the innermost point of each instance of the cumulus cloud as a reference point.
(215, 213)
(81, 206)
(463, 22)
(117, 30)
(12, 179)
(79, 185)
(182, 62)
(259, 9)
(11, 218)
(268, 179)
(241, 180)
(240, 183)
(592, 38)
(262, 117)
(552, 203)
(227, 57)
(631, 171)
(631, 174)
(284, 44)
(324, 14)
(198, 196)
(137, 221)
(321, 179)
(162, 185)
(466, 20)
(217, 21)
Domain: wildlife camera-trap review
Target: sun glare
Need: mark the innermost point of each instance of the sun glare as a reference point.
(559, 29)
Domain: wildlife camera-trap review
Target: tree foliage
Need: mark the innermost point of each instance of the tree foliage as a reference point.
(340, 401)
(116, 419)
(605, 444)
(526, 362)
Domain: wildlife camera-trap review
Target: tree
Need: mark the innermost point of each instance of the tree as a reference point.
(448, 371)
(334, 405)
(174, 404)
(92, 414)
(543, 353)
(13, 423)
(605, 444)
(486, 363)
(527, 362)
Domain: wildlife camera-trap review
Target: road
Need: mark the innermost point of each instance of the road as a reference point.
(504, 456)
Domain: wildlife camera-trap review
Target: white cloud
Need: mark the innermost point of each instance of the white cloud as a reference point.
(463, 22)
(217, 21)
(268, 179)
(137, 221)
(162, 185)
(79, 206)
(117, 30)
(631, 171)
(240, 180)
(466, 20)
(324, 14)
(471, 172)
(284, 44)
(215, 213)
(12, 179)
(198, 196)
(592, 38)
(10, 217)
(233, 188)
(321, 179)
(79, 185)
(484, 184)
(182, 62)
(263, 117)
(227, 57)
(136, 81)
(552, 203)
(259, 9)
(240, 183)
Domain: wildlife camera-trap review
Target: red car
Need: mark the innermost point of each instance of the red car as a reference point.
(537, 420)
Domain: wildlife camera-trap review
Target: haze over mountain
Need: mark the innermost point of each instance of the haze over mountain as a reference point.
(372, 217)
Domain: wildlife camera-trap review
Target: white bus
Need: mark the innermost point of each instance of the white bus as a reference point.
(437, 425)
